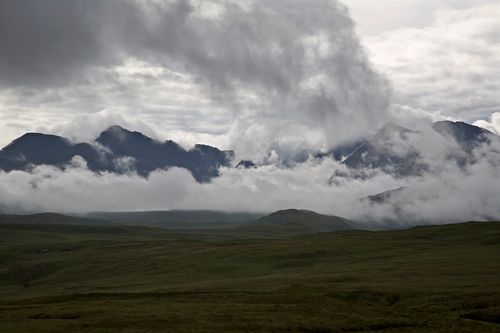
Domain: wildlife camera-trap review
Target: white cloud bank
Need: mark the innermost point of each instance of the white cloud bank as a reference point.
(448, 193)
(493, 124)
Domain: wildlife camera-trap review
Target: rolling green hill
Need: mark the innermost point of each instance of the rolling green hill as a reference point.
(178, 219)
(309, 220)
(83, 278)
(289, 223)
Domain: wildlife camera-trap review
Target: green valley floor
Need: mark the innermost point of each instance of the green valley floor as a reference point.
(77, 278)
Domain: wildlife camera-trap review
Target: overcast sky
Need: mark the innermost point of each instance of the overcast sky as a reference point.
(376, 17)
(74, 67)
(441, 56)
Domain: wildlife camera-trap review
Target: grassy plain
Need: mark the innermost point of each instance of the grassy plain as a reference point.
(77, 278)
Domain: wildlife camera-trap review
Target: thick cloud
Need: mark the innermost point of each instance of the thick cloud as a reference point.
(372, 19)
(448, 193)
(48, 42)
(79, 190)
(450, 67)
(493, 124)
(293, 66)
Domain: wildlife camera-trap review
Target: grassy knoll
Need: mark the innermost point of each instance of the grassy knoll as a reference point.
(75, 278)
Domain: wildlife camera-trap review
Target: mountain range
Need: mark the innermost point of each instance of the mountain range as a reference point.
(119, 150)
(116, 150)
(392, 149)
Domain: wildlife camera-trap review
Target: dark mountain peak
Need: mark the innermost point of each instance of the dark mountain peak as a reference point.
(389, 150)
(459, 126)
(124, 143)
(45, 149)
(119, 135)
(114, 131)
(202, 160)
(172, 144)
(116, 128)
(246, 164)
(466, 135)
(147, 154)
(34, 141)
(205, 148)
(33, 148)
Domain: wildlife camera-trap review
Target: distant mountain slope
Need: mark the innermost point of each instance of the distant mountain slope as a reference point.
(305, 219)
(68, 225)
(383, 197)
(388, 150)
(48, 218)
(392, 151)
(465, 135)
(38, 149)
(376, 153)
(148, 155)
(178, 219)
(115, 150)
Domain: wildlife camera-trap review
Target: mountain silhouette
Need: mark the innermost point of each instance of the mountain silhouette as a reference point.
(115, 150)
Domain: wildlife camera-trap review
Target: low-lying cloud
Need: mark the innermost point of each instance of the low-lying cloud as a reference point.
(447, 193)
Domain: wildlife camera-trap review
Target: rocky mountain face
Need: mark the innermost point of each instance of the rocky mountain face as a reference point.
(466, 145)
(465, 135)
(392, 149)
(115, 150)
(389, 150)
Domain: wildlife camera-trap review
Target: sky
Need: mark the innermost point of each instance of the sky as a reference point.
(67, 76)
(439, 55)
(265, 78)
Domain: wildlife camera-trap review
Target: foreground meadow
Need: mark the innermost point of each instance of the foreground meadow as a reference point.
(75, 278)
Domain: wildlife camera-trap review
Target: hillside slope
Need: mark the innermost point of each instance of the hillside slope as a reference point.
(303, 222)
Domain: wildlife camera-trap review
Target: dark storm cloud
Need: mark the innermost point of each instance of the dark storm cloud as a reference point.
(46, 41)
(286, 69)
